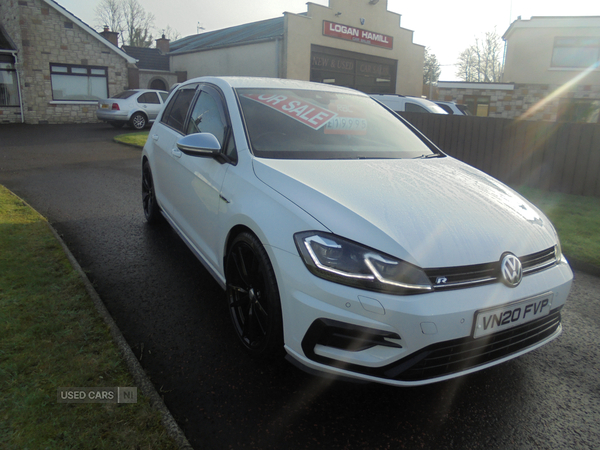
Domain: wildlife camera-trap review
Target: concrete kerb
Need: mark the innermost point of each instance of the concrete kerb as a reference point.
(134, 366)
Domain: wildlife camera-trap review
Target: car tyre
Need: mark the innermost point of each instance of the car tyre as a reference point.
(150, 205)
(138, 121)
(253, 297)
(117, 124)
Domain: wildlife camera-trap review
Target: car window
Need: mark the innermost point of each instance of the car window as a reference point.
(124, 94)
(445, 108)
(148, 97)
(413, 107)
(177, 109)
(206, 117)
(307, 124)
(164, 96)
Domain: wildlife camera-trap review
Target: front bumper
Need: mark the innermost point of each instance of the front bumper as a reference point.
(407, 340)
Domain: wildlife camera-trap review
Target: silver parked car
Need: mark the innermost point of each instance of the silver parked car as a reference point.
(136, 107)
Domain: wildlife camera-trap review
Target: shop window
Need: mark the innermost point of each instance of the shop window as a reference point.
(479, 105)
(78, 83)
(9, 91)
(582, 111)
(576, 52)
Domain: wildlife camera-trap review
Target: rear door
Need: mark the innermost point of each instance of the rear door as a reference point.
(150, 103)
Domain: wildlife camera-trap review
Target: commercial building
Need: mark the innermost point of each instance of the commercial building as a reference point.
(354, 43)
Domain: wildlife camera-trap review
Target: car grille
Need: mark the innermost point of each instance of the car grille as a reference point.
(476, 275)
(462, 354)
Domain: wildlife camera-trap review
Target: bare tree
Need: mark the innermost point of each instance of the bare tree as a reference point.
(109, 13)
(431, 68)
(481, 61)
(138, 24)
(128, 18)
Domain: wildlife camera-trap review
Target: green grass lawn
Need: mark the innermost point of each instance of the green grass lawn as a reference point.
(51, 336)
(137, 139)
(576, 219)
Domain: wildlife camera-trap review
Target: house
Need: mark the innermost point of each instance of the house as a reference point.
(54, 67)
(354, 43)
(551, 73)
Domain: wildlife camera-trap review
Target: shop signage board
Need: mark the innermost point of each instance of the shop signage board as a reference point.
(337, 30)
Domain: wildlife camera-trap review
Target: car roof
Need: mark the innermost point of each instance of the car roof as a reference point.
(273, 83)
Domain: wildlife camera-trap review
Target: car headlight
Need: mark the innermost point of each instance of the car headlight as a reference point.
(342, 261)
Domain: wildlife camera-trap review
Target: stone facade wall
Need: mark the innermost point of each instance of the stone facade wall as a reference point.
(541, 101)
(43, 36)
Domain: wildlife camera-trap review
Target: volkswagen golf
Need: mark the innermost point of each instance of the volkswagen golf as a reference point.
(344, 239)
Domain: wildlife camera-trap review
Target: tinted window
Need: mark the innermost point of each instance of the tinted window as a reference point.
(124, 94)
(446, 108)
(206, 117)
(299, 124)
(164, 96)
(413, 107)
(177, 109)
(148, 97)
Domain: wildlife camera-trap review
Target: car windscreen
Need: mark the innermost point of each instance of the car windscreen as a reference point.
(124, 94)
(310, 124)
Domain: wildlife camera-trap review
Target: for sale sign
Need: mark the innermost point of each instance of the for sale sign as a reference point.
(298, 109)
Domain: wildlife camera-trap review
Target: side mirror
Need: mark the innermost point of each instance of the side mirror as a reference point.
(200, 144)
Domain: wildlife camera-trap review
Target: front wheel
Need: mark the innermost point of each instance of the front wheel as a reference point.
(253, 297)
(151, 208)
(138, 121)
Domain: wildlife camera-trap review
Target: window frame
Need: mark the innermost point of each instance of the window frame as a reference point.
(71, 70)
(11, 70)
(574, 43)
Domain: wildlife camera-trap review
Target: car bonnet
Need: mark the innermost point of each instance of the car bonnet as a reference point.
(432, 213)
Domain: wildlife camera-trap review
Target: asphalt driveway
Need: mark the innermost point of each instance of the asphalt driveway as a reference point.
(174, 317)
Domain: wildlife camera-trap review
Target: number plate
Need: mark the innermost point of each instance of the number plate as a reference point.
(491, 321)
(104, 106)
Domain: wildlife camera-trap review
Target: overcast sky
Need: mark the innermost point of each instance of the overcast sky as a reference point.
(446, 27)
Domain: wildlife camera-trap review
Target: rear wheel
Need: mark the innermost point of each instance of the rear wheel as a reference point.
(138, 121)
(151, 208)
(253, 297)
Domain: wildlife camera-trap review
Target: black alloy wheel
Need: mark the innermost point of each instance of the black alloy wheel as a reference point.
(151, 208)
(138, 121)
(253, 297)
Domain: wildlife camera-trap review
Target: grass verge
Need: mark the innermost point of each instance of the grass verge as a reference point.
(576, 219)
(51, 336)
(137, 139)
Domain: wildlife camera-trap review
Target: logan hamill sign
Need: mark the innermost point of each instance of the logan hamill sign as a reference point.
(349, 33)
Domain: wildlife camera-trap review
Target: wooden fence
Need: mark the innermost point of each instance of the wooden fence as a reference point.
(563, 157)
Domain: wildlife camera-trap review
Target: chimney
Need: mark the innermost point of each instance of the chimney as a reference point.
(110, 36)
(163, 44)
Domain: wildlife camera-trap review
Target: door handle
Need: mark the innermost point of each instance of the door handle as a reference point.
(176, 152)
(155, 137)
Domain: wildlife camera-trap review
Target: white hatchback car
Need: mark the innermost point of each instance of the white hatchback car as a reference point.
(345, 238)
(136, 107)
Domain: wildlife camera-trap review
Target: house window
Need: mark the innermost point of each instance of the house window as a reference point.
(9, 91)
(477, 104)
(576, 52)
(78, 83)
(576, 110)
